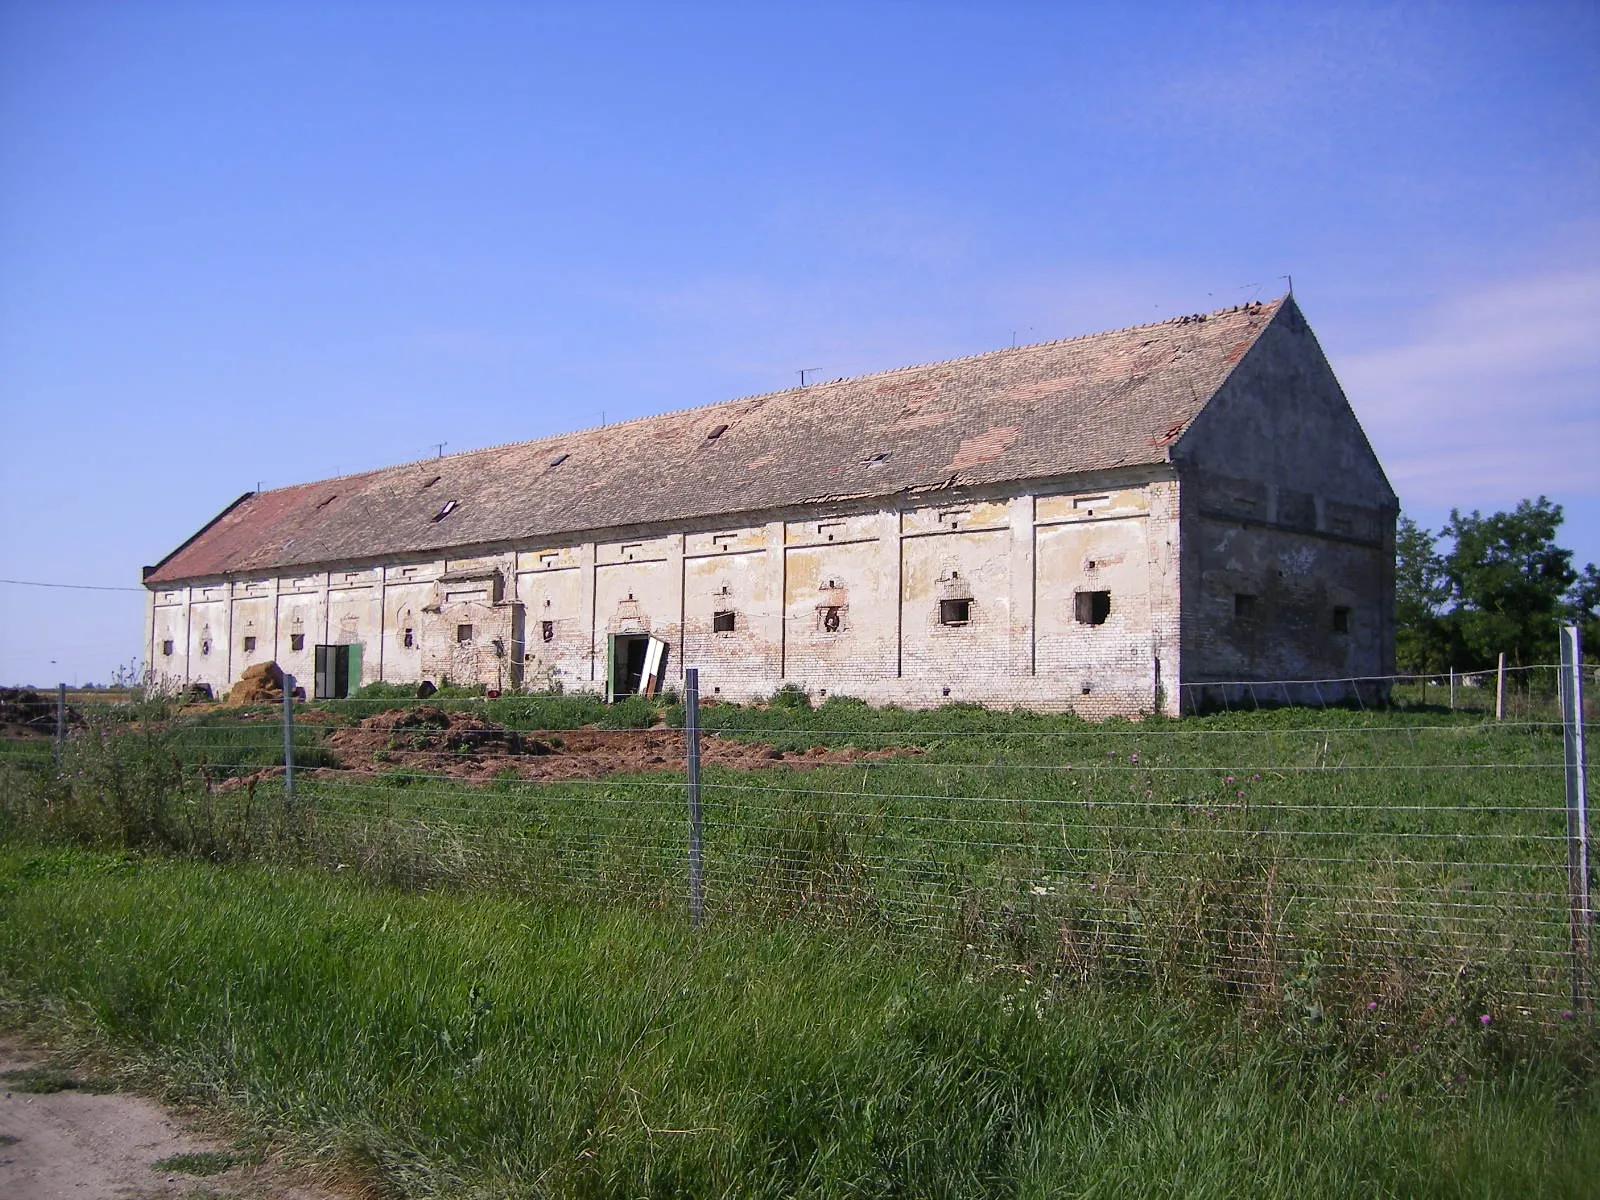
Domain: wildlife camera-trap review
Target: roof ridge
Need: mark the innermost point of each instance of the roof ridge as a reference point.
(748, 397)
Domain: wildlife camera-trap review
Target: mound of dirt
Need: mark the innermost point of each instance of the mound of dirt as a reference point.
(462, 745)
(261, 683)
(27, 713)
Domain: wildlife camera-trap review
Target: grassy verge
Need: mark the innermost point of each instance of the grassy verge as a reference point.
(481, 1044)
(1307, 863)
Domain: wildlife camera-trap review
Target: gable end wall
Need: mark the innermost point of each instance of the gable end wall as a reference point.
(1285, 505)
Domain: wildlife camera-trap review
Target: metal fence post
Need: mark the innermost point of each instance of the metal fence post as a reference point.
(1500, 688)
(1581, 910)
(61, 713)
(1452, 689)
(691, 733)
(288, 740)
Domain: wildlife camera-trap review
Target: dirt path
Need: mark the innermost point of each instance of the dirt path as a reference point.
(62, 1135)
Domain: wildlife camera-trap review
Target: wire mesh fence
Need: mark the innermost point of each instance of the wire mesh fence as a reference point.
(1299, 860)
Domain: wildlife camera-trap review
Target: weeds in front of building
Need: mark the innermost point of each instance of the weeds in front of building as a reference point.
(1318, 869)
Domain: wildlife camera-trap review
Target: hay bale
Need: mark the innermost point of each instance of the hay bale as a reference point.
(261, 683)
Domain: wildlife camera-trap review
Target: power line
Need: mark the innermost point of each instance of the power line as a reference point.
(77, 587)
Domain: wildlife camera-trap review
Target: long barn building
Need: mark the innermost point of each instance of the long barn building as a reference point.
(1126, 522)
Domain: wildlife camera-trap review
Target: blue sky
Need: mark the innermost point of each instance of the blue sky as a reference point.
(263, 243)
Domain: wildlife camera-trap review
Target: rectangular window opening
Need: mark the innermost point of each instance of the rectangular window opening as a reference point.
(955, 612)
(409, 639)
(166, 647)
(547, 630)
(249, 645)
(1341, 619)
(1244, 606)
(1092, 607)
(297, 641)
(722, 622)
(463, 635)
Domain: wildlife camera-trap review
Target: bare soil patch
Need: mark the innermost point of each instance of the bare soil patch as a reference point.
(463, 745)
(27, 713)
(64, 1134)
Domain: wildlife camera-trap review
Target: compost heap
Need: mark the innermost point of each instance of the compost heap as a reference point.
(26, 713)
(428, 740)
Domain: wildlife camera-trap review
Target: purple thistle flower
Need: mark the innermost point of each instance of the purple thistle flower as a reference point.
(1485, 1019)
(1229, 779)
(1133, 758)
(1371, 1004)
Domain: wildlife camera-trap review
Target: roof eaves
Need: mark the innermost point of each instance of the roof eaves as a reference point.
(151, 572)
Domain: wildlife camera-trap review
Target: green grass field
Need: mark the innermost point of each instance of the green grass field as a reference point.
(1273, 953)
(1307, 863)
(477, 1045)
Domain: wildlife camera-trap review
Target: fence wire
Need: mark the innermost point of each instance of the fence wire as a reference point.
(1295, 859)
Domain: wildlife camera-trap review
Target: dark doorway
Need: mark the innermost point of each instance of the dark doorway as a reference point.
(636, 665)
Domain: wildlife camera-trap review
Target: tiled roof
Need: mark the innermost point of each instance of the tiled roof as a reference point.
(1083, 404)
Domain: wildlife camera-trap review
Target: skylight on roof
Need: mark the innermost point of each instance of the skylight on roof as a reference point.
(716, 433)
(876, 459)
(559, 459)
(449, 507)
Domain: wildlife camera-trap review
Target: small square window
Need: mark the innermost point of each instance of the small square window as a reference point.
(166, 647)
(249, 645)
(205, 646)
(831, 619)
(722, 622)
(1244, 606)
(955, 612)
(297, 641)
(409, 638)
(1092, 607)
(1341, 619)
(547, 630)
(463, 635)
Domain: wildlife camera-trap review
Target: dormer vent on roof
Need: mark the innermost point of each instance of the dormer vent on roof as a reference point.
(431, 482)
(559, 459)
(716, 433)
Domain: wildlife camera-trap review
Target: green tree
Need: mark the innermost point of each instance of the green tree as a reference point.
(1421, 591)
(1583, 608)
(1509, 584)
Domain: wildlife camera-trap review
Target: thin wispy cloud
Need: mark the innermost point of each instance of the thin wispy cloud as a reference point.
(1491, 397)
